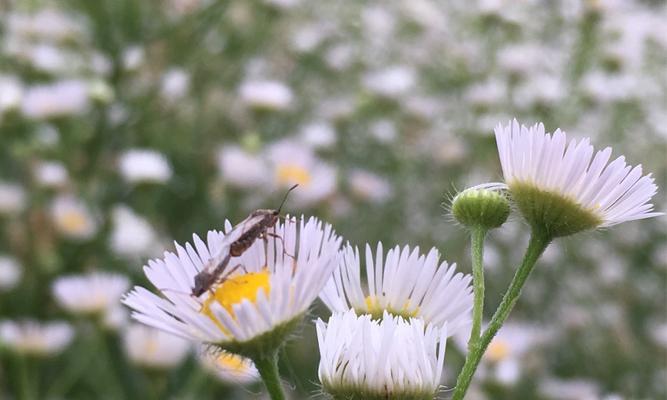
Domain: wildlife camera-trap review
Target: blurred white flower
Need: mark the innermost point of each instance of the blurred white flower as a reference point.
(526, 58)
(153, 348)
(73, 218)
(659, 334)
(68, 97)
(390, 82)
(369, 186)
(12, 198)
(319, 135)
(10, 273)
(144, 165)
(241, 168)
(133, 57)
(605, 88)
(131, 235)
(47, 23)
(384, 131)
(340, 57)
(540, 89)
(228, 367)
(308, 37)
(11, 93)
(486, 94)
(175, 84)
(392, 358)
(402, 282)
(35, 338)
(116, 317)
(51, 174)
(92, 293)
(292, 163)
(266, 94)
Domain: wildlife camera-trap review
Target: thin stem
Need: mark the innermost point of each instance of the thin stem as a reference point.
(26, 385)
(477, 249)
(268, 370)
(538, 242)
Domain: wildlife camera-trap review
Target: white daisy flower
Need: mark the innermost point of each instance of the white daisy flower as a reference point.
(10, 273)
(405, 283)
(11, 92)
(73, 218)
(241, 168)
(292, 162)
(228, 367)
(12, 198)
(263, 299)
(132, 235)
(266, 94)
(143, 165)
(35, 338)
(92, 293)
(563, 188)
(369, 186)
(69, 97)
(392, 82)
(51, 174)
(153, 348)
(362, 358)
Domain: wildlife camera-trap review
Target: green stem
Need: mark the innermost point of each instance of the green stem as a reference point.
(477, 249)
(538, 242)
(268, 370)
(26, 385)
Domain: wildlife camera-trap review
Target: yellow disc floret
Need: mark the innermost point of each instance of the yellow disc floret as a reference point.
(236, 289)
(290, 174)
(375, 308)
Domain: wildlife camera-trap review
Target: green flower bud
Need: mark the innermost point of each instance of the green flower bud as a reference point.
(481, 207)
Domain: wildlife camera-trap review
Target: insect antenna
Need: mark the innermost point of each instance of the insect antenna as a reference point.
(285, 198)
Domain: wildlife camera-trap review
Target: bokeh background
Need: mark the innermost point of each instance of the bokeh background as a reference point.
(127, 124)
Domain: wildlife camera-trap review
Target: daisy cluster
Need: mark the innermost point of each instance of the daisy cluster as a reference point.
(125, 126)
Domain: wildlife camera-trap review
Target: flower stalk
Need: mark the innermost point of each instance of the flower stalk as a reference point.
(538, 243)
(477, 237)
(268, 370)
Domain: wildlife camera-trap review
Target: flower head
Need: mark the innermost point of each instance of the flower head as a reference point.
(362, 358)
(154, 348)
(144, 165)
(35, 338)
(404, 283)
(10, 273)
(228, 367)
(72, 217)
(257, 304)
(562, 188)
(93, 293)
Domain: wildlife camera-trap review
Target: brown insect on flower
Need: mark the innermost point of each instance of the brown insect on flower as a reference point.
(236, 242)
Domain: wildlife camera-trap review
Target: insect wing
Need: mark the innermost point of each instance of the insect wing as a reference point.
(231, 236)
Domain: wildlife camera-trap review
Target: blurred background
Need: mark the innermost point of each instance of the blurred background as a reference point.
(126, 125)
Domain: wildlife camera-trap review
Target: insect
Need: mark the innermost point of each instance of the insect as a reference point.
(236, 242)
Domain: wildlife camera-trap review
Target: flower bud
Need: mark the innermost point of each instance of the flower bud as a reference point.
(481, 207)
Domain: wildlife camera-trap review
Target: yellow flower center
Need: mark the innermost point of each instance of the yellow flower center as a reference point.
(375, 308)
(236, 289)
(73, 221)
(231, 362)
(290, 174)
(497, 350)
